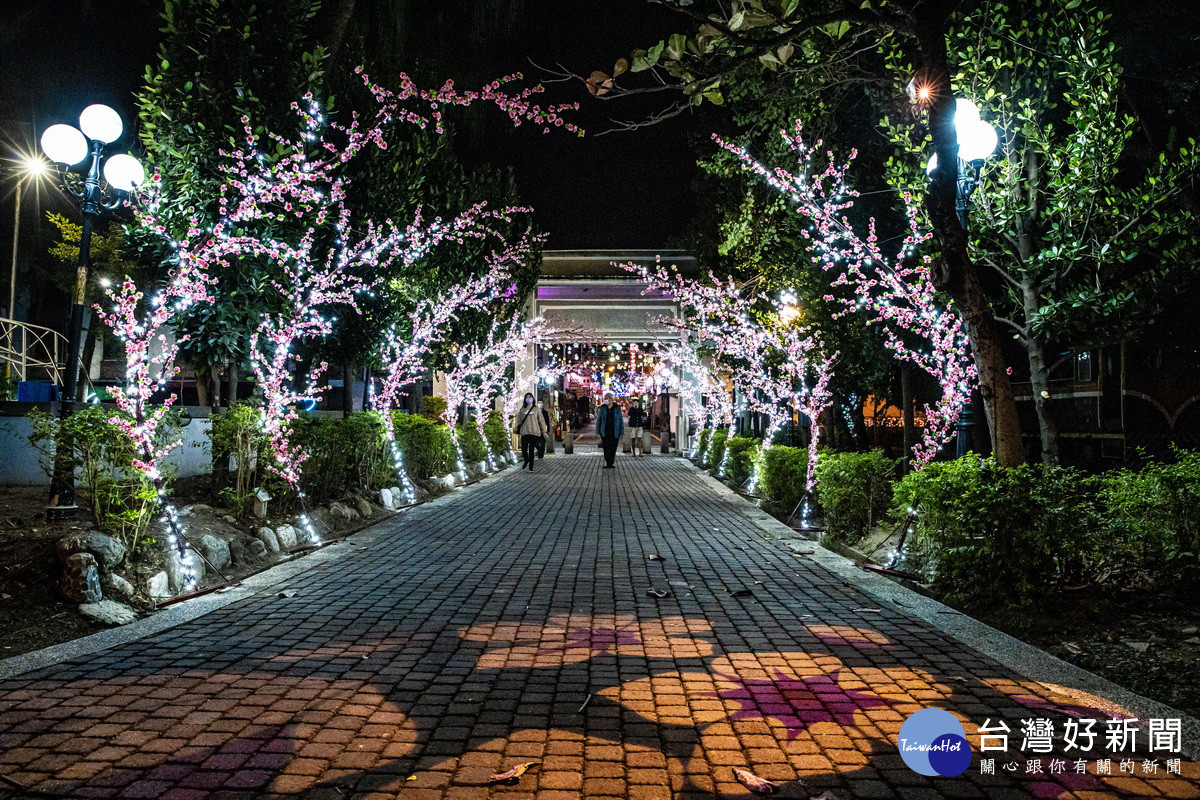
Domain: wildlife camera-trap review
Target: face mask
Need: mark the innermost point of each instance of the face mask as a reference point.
(528, 400)
(539, 405)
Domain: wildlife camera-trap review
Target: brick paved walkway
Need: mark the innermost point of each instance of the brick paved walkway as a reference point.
(471, 634)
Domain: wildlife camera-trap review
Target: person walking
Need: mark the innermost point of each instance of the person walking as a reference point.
(637, 423)
(531, 427)
(610, 425)
(549, 428)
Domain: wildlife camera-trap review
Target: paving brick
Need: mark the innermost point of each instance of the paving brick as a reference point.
(461, 638)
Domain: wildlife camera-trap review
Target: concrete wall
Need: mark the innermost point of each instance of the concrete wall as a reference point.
(19, 461)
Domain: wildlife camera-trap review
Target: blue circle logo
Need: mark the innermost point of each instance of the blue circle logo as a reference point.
(932, 742)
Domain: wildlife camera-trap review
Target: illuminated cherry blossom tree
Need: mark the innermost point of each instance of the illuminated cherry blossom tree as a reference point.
(895, 291)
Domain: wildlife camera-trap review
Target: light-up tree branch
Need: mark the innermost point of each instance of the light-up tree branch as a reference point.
(895, 292)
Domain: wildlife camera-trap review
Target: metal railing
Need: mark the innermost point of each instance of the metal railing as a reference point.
(32, 352)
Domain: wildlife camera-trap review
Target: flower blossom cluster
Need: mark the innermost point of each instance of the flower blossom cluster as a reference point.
(895, 291)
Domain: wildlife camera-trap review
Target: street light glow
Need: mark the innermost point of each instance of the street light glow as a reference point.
(124, 172)
(101, 123)
(64, 144)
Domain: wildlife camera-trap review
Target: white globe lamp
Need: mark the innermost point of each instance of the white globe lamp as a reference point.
(64, 144)
(101, 123)
(124, 172)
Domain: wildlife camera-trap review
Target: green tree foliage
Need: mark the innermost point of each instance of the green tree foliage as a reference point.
(1088, 241)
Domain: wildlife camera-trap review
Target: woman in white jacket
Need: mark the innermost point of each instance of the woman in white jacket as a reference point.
(531, 427)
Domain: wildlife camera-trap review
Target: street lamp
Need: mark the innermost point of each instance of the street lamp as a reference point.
(30, 169)
(99, 125)
(976, 141)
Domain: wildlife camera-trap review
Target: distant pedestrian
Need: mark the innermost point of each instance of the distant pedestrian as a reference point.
(610, 425)
(531, 427)
(637, 423)
(549, 429)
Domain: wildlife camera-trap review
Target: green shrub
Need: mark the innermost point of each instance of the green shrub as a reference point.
(997, 536)
(717, 450)
(743, 451)
(781, 477)
(237, 436)
(497, 435)
(473, 448)
(702, 444)
(854, 491)
(433, 407)
(122, 500)
(1155, 511)
(424, 444)
(345, 455)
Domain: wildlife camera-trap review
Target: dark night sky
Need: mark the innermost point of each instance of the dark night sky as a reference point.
(619, 190)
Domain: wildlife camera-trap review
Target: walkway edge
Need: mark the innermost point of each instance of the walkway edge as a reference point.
(1019, 656)
(197, 607)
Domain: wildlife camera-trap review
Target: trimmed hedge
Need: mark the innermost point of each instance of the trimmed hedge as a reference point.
(717, 450)
(781, 477)
(425, 445)
(854, 491)
(1156, 510)
(345, 455)
(743, 452)
(497, 435)
(998, 536)
(702, 444)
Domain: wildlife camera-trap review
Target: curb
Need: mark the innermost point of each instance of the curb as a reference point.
(253, 584)
(1010, 652)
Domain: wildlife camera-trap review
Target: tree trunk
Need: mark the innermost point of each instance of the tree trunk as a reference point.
(954, 272)
(1039, 380)
(347, 389)
(201, 387)
(907, 415)
(85, 359)
(214, 372)
(231, 387)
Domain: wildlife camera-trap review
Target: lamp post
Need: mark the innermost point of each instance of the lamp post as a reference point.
(68, 146)
(976, 141)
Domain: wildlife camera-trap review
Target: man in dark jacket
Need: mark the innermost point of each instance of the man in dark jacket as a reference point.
(610, 425)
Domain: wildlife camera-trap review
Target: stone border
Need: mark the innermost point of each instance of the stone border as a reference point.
(1021, 657)
(251, 585)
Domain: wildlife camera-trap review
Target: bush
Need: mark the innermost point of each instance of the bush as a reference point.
(1155, 511)
(345, 455)
(854, 491)
(425, 445)
(717, 450)
(781, 477)
(702, 444)
(497, 435)
(237, 435)
(122, 500)
(433, 407)
(998, 536)
(743, 452)
(473, 448)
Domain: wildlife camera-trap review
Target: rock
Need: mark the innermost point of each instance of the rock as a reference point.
(175, 571)
(449, 481)
(81, 580)
(364, 508)
(342, 514)
(257, 548)
(108, 551)
(114, 581)
(196, 508)
(1137, 647)
(268, 539)
(159, 586)
(229, 518)
(109, 611)
(286, 535)
(1191, 629)
(481, 466)
(386, 499)
(216, 550)
(398, 496)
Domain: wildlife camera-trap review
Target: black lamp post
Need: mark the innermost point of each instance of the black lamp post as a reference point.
(68, 146)
(976, 141)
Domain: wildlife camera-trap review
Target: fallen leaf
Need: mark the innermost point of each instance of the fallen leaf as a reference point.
(655, 557)
(288, 593)
(753, 782)
(513, 774)
(652, 592)
(741, 593)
